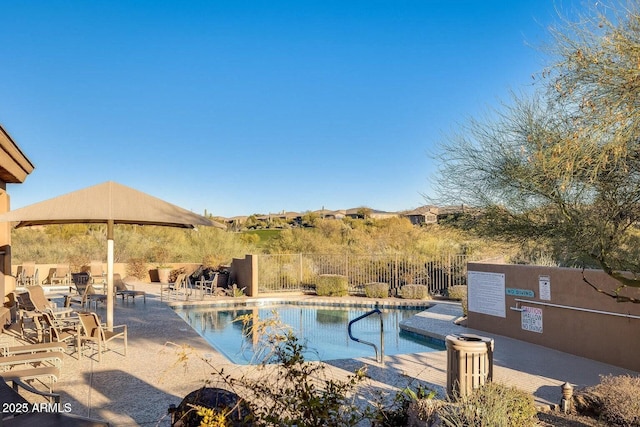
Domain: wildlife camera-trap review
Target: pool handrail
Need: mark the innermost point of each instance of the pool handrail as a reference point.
(375, 347)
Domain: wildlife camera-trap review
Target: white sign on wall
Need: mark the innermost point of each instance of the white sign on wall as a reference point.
(532, 319)
(545, 287)
(486, 293)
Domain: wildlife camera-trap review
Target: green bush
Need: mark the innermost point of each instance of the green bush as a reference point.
(334, 285)
(376, 290)
(415, 292)
(459, 292)
(614, 400)
(493, 405)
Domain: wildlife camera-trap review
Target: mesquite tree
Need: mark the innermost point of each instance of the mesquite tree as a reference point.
(562, 167)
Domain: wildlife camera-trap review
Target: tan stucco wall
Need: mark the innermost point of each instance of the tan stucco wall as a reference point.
(598, 336)
(14, 168)
(244, 273)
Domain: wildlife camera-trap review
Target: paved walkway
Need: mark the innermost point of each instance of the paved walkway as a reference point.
(138, 389)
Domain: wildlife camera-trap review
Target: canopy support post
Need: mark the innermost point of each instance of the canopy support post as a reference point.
(110, 299)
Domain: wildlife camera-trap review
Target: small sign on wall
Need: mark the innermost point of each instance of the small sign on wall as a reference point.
(545, 287)
(520, 292)
(532, 319)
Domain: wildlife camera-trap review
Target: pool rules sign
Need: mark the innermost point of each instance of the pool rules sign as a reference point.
(532, 319)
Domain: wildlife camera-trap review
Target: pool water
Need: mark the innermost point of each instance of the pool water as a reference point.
(322, 328)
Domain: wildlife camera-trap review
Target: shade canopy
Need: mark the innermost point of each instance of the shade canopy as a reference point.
(107, 203)
(104, 202)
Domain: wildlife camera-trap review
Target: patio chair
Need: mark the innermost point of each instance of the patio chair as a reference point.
(61, 275)
(93, 331)
(98, 276)
(122, 289)
(209, 287)
(28, 274)
(79, 282)
(182, 286)
(63, 332)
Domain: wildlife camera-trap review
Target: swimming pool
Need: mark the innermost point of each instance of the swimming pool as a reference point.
(322, 328)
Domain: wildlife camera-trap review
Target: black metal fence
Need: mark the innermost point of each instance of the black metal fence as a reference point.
(298, 272)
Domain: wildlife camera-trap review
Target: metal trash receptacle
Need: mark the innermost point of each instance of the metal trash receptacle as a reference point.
(469, 363)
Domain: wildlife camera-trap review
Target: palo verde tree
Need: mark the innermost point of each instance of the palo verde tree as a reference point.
(562, 167)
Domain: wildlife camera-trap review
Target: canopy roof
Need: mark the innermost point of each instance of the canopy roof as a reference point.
(104, 202)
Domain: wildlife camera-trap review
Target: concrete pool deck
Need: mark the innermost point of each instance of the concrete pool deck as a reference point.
(138, 389)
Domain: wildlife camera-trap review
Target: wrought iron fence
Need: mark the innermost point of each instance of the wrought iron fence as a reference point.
(298, 272)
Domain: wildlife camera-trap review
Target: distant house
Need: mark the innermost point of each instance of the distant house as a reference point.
(423, 215)
(454, 211)
(364, 212)
(428, 214)
(328, 214)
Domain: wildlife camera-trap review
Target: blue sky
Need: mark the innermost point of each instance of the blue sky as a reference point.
(241, 107)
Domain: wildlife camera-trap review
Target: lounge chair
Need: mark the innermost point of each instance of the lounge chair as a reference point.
(12, 349)
(44, 419)
(9, 395)
(122, 289)
(32, 366)
(60, 275)
(92, 297)
(92, 330)
(15, 405)
(42, 303)
(28, 274)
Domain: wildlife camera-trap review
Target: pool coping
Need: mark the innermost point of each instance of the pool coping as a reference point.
(305, 300)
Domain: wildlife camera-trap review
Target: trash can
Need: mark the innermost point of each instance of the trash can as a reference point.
(469, 363)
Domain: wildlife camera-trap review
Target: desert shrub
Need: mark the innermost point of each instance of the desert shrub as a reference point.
(459, 292)
(409, 407)
(332, 285)
(376, 290)
(160, 254)
(78, 263)
(137, 267)
(423, 412)
(415, 292)
(494, 405)
(236, 292)
(211, 261)
(615, 400)
(175, 273)
(285, 389)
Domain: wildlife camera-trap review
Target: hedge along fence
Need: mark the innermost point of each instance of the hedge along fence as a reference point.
(299, 272)
(334, 285)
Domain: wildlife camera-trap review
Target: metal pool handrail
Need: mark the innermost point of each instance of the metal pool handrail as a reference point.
(374, 311)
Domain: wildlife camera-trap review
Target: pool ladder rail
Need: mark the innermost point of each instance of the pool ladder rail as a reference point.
(375, 347)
